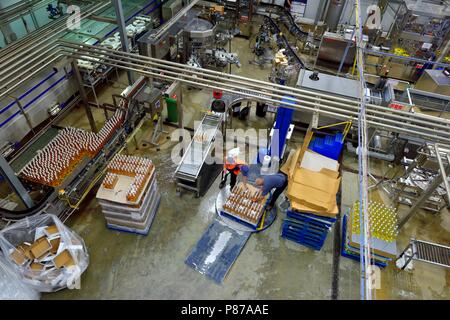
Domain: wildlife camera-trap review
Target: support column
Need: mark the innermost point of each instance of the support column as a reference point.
(123, 33)
(10, 176)
(84, 96)
(27, 118)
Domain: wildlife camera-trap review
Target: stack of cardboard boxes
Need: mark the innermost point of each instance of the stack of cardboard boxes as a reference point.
(314, 183)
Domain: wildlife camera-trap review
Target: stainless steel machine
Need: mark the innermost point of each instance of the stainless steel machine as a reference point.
(194, 172)
(434, 81)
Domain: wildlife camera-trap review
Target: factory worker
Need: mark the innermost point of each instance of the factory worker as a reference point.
(236, 167)
(266, 183)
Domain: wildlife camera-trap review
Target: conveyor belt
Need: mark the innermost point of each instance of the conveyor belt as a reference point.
(195, 155)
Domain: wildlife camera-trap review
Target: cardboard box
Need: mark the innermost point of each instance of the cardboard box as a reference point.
(40, 248)
(64, 259)
(18, 257)
(26, 250)
(37, 266)
(51, 230)
(316, 190)
(55, 245)
(313, 198)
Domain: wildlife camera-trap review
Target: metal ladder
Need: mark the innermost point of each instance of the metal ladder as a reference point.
(427, 252)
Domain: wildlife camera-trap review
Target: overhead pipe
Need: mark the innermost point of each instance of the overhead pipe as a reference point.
(373, 154)
(314, 95)
(323, 106)
(257, 96)
(257, 83)
(268, 86)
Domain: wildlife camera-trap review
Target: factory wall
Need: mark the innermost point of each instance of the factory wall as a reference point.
(46, 89)
(16, 29)
(312, 7)
(50, 87)
(349, 15)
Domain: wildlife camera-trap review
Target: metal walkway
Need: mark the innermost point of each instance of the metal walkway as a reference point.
(426, 252)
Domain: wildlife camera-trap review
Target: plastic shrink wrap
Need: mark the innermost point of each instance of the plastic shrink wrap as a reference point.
(44, 253)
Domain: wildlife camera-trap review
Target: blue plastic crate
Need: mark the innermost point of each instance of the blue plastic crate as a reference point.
(330, 146)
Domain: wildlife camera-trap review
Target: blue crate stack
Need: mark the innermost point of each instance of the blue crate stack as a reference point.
(330, 146)
(306, 228)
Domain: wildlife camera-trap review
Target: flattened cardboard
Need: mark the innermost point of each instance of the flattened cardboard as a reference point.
(40, 248)
(294, 163)
(311, 197)
(303, 208)
(64, 259)
(286, 166)
(325, 180)
(316, 162)
(18, 257)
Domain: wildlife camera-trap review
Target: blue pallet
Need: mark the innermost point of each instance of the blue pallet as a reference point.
(296, 217)
(330, 146)
(294, 214)
(311, 245)
(310, 237)
(305, 236)
(245, 223)
(304, 229)
(346, 254)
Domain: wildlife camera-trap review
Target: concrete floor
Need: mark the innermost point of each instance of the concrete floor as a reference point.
(128, 266)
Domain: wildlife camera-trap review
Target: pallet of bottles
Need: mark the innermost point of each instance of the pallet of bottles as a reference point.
(129, 195)
(241, 206)
(353, 253)
(383, 231)
(306, 228)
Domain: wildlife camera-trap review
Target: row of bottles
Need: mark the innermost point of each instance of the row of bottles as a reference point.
(240, 203)
(59, 157)
(382, 221)
(110, 180)
(130, 165)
